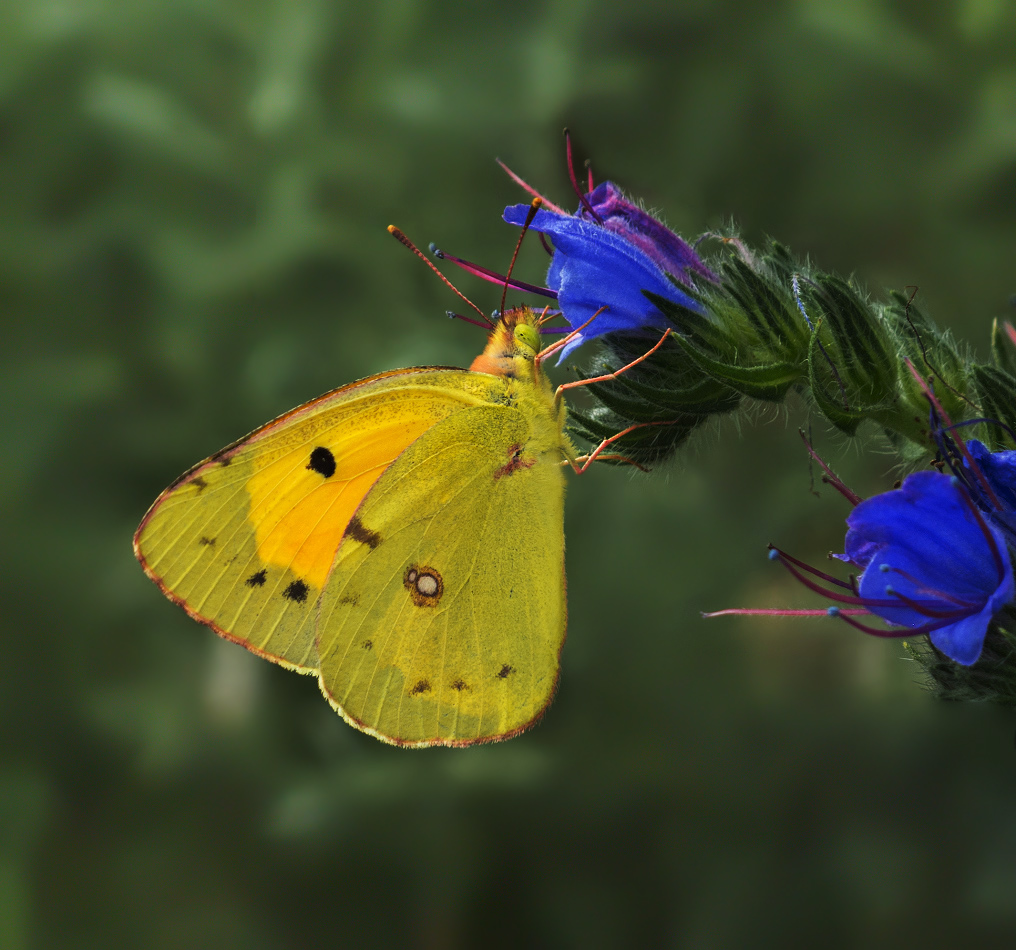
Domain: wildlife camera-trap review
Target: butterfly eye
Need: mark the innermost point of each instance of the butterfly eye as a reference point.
(528, 337)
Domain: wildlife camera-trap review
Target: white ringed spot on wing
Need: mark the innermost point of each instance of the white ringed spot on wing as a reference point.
(424, 584)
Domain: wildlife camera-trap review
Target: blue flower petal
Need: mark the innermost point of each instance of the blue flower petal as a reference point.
(923, 542)
(963, 640)
(999, 469)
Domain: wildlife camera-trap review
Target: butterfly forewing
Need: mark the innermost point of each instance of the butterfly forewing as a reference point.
(245, 541)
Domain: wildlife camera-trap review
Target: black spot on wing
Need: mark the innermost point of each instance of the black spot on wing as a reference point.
(224, 456)
(367, 644)
(423, 686)
(360, 532)
(207, 542)
(322, 461)
(505, 672)
(459, 685)
(297, 591)
(199, 483)
(258, 579)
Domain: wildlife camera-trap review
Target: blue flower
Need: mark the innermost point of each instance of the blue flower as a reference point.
(930, 562)
(605, 256)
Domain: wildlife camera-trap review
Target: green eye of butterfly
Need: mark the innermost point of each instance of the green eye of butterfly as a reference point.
(528, 337)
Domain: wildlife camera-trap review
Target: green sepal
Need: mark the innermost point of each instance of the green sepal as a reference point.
(707, 396)
(768, 382)
(991, 679)
(690, 323)
(997, 391)
(858, 343)
(646, 446)
(767, 306)
(843, 417)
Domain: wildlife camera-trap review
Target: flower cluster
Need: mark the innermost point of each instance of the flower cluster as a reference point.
(932, 557)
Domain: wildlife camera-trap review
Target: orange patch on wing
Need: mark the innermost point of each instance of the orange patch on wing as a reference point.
(299, 515)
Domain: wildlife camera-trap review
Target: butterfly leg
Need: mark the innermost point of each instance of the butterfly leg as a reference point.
(564, 341)
(608, 376)
(584, 461)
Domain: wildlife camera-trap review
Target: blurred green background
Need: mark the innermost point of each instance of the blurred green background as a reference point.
(194, 197)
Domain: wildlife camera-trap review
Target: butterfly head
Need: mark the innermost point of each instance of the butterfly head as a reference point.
(513, 345)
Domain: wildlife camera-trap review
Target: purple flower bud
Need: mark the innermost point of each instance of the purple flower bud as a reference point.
(671, 253)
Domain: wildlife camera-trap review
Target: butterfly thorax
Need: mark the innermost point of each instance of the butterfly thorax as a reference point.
(511, 353)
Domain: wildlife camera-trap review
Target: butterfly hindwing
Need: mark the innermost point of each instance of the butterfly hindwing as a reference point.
(443, 617)
(245, 540)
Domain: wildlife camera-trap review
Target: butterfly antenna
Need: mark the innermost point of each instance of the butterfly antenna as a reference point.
(459, 316)
(402, 239)
(533, 208)
(575, 182)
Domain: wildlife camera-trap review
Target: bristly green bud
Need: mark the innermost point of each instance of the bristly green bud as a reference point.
(666, 397)
(992, 679)
(766, 326)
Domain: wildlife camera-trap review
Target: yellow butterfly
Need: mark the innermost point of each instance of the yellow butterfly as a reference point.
(401, 538)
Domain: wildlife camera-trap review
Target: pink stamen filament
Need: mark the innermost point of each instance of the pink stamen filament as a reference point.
(549, 205)
(869, 602)
(811, 570)
(779, 612)
(931, 612)
(930, 591)
(893, 634)
(903, 631)
(989, 536)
